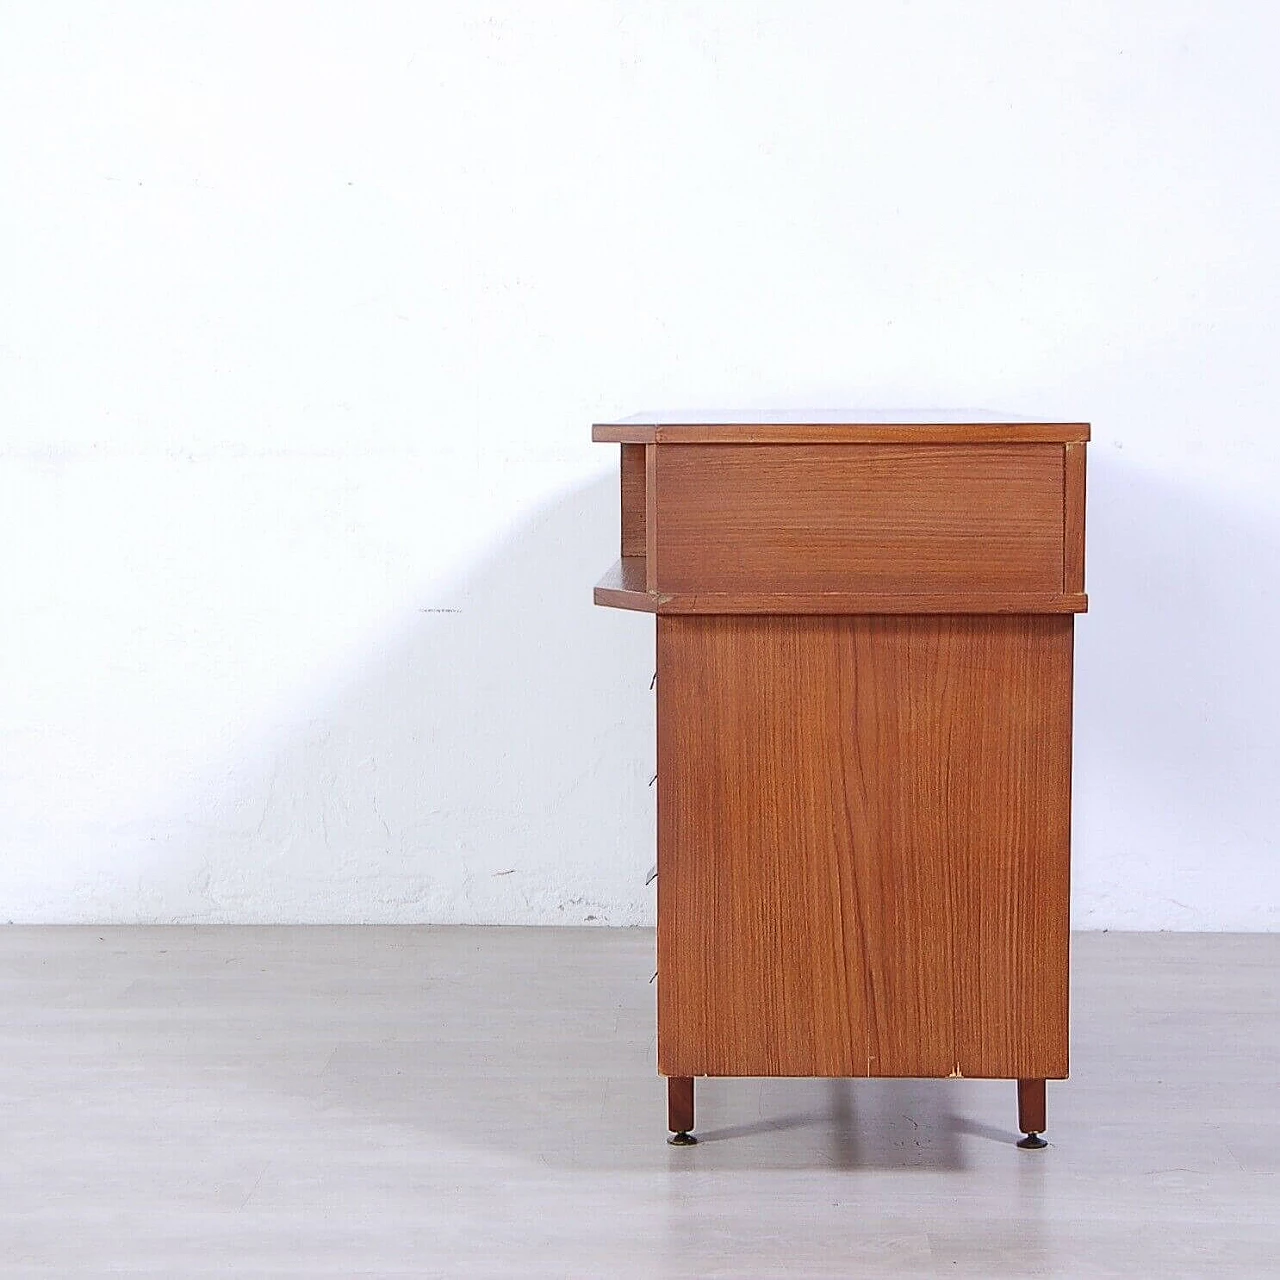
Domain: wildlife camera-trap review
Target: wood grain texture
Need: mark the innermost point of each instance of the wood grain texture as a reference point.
(840, 433)
(1073, 489)
(651, 517)
(863, 845)
(861, 519)
(632, 477)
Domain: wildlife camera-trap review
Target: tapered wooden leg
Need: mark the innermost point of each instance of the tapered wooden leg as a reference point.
(680, 1111)
(1031, 1114)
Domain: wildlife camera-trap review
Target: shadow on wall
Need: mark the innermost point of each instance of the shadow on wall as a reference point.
(1177, 699)
(488, 764)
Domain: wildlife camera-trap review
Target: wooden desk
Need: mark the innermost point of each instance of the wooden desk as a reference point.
(864, 652)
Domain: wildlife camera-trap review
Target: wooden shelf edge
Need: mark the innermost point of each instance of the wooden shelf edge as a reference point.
(604, 433)
(623, 588)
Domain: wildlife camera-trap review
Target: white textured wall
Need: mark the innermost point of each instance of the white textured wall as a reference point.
(305, 311)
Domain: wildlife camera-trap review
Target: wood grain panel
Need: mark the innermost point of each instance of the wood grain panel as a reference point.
(634, 523)
(1073, 518)
(896, 519)
(863, 845)
(1009, 800)
(651, 517)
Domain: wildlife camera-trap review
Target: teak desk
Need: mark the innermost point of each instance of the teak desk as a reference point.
(864, 742)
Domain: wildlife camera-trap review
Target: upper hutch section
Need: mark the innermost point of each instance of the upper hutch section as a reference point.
(837, 512)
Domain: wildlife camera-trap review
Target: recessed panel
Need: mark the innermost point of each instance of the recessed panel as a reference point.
(855, 518)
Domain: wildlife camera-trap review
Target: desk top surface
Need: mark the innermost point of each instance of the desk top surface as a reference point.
(839, 416)
(817, 426)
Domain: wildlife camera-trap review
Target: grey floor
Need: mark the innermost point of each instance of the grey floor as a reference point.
(482, 1102)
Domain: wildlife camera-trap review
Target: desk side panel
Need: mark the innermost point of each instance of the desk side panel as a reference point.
(633, 485)
(863, 845)
(1073, 499)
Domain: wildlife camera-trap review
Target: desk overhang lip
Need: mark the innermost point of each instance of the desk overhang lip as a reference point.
(841, 433)
(615, 591)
